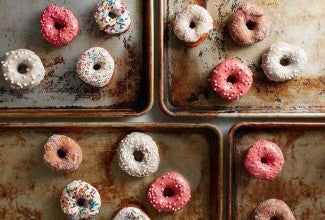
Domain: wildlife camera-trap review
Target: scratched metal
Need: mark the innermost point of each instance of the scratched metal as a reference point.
(29, 190)
(185, 90)
(61, 88)
(301, 183)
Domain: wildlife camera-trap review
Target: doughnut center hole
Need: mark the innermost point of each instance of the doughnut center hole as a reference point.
(263, 160)
(112, 15)
(192, 24)
(251, 25)
(97, 66)
(285, 61)
(22, 68)
(138, 155)
(62, 153)
(81, 202)
(274, 218)
(168, 192)
(58, 26)
(231, 79)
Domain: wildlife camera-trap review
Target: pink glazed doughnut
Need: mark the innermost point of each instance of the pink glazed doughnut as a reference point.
(231, 79)
(58, 25)
(169, 193)
(264, 160)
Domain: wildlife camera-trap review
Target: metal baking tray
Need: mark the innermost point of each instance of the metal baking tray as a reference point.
(62, 93)
(29, 190)
(301, 183)
(184, 71)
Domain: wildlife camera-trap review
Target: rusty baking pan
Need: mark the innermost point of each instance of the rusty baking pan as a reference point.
(62, 93)
(300, 183)
(184, 71)
(29, 190)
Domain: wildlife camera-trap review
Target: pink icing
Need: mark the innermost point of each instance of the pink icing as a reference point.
(231, 79)
(264, 160)
(178, 196)
(58, 25)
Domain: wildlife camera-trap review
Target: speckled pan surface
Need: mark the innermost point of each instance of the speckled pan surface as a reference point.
(29, 190)
(301, 183)
(62, 93)
(184, 71)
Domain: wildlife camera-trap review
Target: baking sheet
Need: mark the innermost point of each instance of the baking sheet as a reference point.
(62, 93)
(301, 183)
(184, 71)
(29, 190)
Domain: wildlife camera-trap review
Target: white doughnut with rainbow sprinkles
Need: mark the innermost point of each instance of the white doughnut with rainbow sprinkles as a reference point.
(95, 67)
(112, 16)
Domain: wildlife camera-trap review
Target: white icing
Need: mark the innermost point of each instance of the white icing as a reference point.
(137, 141)
(88, 60)
(199, 16)
(131, 213)
(35, 71)
(272, 66)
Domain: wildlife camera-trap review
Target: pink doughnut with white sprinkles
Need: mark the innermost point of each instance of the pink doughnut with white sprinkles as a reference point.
(58, 25)
(231, 79)
(169, 192)
(264, 160)
(95, 67)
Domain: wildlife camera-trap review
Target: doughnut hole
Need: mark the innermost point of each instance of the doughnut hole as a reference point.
(112, 15)
(81, 202)
(58, 25)
(274, 218)
(231, 79)
(138, 155)
(168, 192)
(22, 68)
(192, 24)
(97, 66)
(62, 153)
(285, 61)
(263, 160)
(251, 25)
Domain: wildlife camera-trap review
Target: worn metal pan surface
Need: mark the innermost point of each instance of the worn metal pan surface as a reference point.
(62, 93)
(29, 190)
(184, 71)
(301, 183)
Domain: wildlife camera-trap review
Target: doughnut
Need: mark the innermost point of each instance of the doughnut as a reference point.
(58, 25)
(283, 62)
(62, 154)
(112, 16)
(95, 67)
(138, 155)
(22, 69)
(231, 79)
(131, 212)
(80, 200)
(192, 25)
(272, 209)
(249, 25)
(264, 160)
(169, 193)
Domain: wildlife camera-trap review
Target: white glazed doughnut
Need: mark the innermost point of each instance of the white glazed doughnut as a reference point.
(112, 16)
(131, 213)
(22, 68)
(95, 67)
(80, 200)
(193, 24)
(138, 155)
(283, 61)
